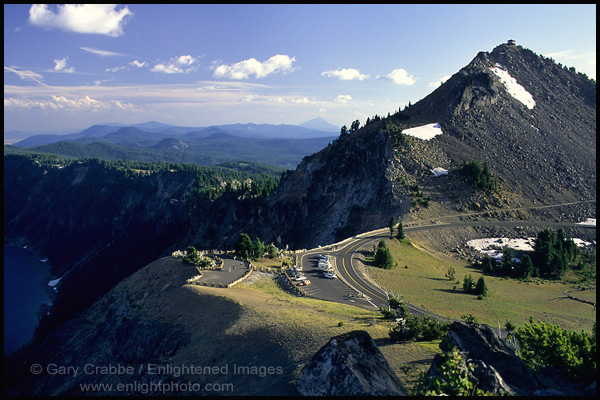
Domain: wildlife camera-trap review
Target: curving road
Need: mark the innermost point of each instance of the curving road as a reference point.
(359, 291)
(329, 289)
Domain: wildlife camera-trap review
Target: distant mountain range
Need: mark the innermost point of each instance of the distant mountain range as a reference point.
(279, 145)
(314, 128)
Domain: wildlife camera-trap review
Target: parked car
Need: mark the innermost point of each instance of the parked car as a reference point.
(299, 278)
(304, 282)
(324, 267)
(330, 275)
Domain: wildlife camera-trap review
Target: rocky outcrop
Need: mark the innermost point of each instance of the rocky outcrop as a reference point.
(349, 364)
(498, 369)
(343, 190)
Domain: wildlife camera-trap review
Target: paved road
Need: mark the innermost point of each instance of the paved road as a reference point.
(371, 296)
(325, 288)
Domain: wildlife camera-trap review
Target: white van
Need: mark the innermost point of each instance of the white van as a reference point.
(325, 267)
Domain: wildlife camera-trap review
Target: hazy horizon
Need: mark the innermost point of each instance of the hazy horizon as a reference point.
(273, 64)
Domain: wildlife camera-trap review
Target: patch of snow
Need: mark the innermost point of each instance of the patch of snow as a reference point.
(437, 171)
(589, 221)
(512, 86)
(581, 242)
(424, 132)
(492, 247)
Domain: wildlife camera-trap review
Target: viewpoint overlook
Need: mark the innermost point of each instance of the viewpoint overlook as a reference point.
(505, 147)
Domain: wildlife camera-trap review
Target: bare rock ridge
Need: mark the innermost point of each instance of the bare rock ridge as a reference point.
(349, 364)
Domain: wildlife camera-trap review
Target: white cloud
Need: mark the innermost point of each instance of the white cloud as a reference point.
(176, 65)
(244, 69)
(583, 62)
(185, 60)
(115, 69)
(399, 76)
(345, 74)
(63, 103)
(102, 53)
(61, 65)
(137, 64)
(103, 19)
(301, 100)
(343, 98)
(248, 98)
(25, 75)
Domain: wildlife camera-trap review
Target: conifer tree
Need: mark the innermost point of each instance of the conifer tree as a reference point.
(400, 235)
(481, 288)
(391, 226)
(383, 257)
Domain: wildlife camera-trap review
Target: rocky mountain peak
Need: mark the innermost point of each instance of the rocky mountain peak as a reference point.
(532, 121)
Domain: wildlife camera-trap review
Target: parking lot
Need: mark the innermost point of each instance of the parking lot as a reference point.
(327, 288)
(231, 271)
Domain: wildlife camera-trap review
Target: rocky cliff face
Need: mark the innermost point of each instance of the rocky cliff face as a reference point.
(344, 189)
(89, 216)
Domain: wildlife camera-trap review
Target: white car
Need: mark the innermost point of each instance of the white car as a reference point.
(330, 275)
(299, 278)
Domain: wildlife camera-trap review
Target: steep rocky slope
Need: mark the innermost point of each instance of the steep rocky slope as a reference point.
(344, 189)
(546, 152)
(541, 151)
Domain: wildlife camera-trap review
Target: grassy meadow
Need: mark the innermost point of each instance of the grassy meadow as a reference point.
(419, 278)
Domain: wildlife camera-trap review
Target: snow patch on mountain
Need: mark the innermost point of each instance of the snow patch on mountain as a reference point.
(437, 171)
(424, 132)
(512, 86)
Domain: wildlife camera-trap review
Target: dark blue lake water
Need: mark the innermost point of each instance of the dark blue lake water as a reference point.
(25, 291)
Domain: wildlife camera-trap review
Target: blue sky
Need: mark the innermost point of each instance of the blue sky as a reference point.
(69, 67)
